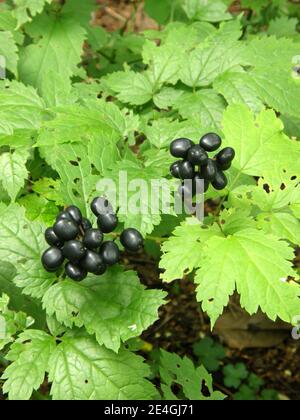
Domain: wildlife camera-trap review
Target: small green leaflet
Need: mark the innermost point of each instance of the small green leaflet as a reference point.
(26, 9)
(115, 307)
(235, 374)
(98, 374)
(20, 107)
(209, 353)
(9, 50)
(257, 140)
(22, 244)
(13, 171)
(30, 355)
(175, 370)
(255, 264)
(59, 49)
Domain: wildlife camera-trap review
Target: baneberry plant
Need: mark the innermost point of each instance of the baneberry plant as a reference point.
(78, 105)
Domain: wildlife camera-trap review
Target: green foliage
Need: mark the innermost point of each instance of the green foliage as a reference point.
(209, 353)
(181, 371)
(80, 104)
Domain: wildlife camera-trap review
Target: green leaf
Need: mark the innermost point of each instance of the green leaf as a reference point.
(218, 53)
(186, 248)
(13, 171)
(256, 141)
(162, 11)
(20, 107)
(205, 105)
(22, 244)
(237, 87)
(19, 301)
(209, 353)
(255, 264)
(78, 183)
(115, 307)
(58, 48)
(26, 9)
(30, 356)
(175, 370)
(9, 50)
(163, 63)
(98, 374)
(132, 88)
(283, 26)
(207, 10)
(235, 374)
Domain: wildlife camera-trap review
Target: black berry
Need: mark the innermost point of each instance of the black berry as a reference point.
(74, 251)
(75, 272)
(175, 169)
(132, 240)
(64, 215)
(209, 171)
(197, 156)
(75, 214)
(225, 157)
(52, 259)
(100, 206)
(86, 224)
(210, 142)
(66, 230)
(186, 170)
(93, 238)
(179, 148)
(110, 253)
(93, 263)
(220, 182)
(107, 222)
(52, 239)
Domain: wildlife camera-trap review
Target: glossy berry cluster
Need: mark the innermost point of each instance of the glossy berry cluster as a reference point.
(195, 162)
(80, 248)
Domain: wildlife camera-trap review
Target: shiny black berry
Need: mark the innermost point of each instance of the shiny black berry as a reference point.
(86, 224)
(107, 222)
(64, 215)
(210, 142)
(198, 179)
(110, 253)
(186, 170)
(75, 272)
(225, 157)
(93, 238)
(52, 259)
(93, 263)
(75, 214)
(197, 156)
(220, 182)
(74, 251)
(132, 240)
(179, 148)
(52, 239)
(208, 172)
(100, 206)
(66, 230)
(175, 169)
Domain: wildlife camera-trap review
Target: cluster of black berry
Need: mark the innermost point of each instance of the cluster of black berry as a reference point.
(73, 238)
(196, 164)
